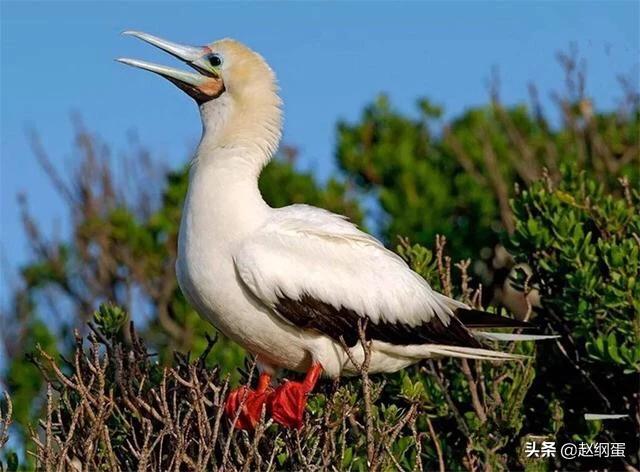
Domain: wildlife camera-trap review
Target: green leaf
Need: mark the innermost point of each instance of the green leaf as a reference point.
(612, 348)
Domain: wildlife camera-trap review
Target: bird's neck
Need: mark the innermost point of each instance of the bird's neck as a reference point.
(241, 135)
(238, 141)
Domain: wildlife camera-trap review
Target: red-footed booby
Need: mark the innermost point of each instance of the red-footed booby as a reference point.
(292, 285)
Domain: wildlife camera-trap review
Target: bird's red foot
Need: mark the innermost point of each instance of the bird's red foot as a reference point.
(288, 402)
(251, 402)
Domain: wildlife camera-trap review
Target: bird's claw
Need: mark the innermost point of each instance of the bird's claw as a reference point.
(250, 402)
(287, 404)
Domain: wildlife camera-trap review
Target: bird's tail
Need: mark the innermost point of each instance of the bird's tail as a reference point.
(513, 337)
(472, 353)
(475, 322)
(473, 319)
(486, 353)
(426, 351)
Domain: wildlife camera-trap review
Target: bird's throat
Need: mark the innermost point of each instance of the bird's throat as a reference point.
(250, 129)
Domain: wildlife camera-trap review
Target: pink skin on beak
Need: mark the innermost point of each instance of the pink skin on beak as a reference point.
(202, 86)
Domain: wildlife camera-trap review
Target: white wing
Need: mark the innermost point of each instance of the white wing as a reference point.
(303, 250)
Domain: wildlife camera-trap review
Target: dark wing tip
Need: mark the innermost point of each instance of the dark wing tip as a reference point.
(342, 323)
(473, 319)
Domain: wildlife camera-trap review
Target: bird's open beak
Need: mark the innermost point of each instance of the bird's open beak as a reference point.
(204, 85)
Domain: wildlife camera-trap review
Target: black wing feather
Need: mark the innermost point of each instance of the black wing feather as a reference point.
(481, 319)
(310, 313)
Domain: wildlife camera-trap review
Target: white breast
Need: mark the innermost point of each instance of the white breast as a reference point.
(215, 218)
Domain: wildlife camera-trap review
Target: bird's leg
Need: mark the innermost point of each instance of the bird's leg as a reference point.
(254, 400)
(288, 402)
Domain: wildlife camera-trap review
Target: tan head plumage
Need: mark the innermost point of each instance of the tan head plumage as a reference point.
(234, 86)
(243, 70)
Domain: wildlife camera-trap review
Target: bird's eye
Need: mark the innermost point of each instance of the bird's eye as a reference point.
(215, 60)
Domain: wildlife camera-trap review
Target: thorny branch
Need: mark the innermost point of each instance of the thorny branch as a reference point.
(6, 418)
(111, 406)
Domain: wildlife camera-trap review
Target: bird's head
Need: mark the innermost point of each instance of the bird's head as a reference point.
(222, 67)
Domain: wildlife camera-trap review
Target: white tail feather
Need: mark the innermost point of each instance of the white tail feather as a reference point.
(473, 353)
(513, 337)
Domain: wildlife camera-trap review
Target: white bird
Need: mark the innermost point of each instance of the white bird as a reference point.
(293, 284)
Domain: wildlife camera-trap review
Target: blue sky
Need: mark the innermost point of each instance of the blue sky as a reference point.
(331, 60)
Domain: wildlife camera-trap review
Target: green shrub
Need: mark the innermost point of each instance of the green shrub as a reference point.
(582, 244)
